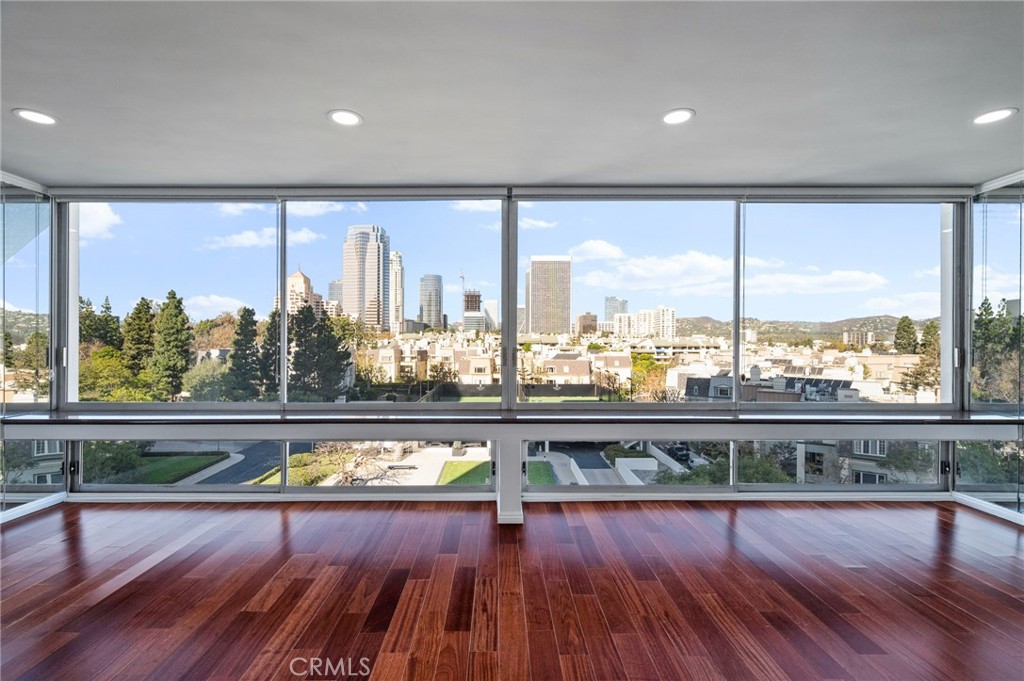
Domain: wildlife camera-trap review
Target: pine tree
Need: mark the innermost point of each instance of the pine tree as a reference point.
(88, 323)
(984, 343)
(108, 326)
(905, 341)
(303, 364)
(270, 356)
(244, 360)
(137, 347)
(331, 360)
(926, 375)
(172, 347)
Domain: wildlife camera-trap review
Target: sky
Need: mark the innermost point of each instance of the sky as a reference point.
(814, 262)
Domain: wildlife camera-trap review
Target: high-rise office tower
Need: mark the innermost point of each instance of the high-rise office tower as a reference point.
(614, 305)
(431, 297)
(493, 312)
(548, 294)
(366, 275)
(397, 291)
(334, 289)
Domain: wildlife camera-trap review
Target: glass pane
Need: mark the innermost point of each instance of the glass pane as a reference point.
(25, 299)
(177, 463)
(30, 470)
(991, 471)
(175, 302)
(842, 303)
(628, 463)
(454, 465)
(625, 301)
(996, 371)
(838, 462)
(394, 301)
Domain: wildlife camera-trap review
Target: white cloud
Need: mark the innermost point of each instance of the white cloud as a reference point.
(95, 221)
(595, 249)
(247, 239)
(811, 268)
(206, 307)
(10, 308)
(236, 209)
(917, 305)
(302, 236)
(452, 288)
(533, 223)
(263, 238)
(493, 227)
(751, 261)
(478, 206)
(933, 272)
(312, 209)
(836, 281)
(997, 285)
(526, 204)
(690, 273)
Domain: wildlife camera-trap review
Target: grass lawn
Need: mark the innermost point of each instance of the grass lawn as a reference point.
(540, 473)
(164, 470)
(465, 473)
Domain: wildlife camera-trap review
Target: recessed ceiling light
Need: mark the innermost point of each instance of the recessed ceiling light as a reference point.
(993, 116)
(677, 116)
(345, 117)
(35, 116)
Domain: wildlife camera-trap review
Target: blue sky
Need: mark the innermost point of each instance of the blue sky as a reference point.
(807, 262)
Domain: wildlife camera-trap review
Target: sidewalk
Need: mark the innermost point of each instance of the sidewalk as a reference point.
(233, 458)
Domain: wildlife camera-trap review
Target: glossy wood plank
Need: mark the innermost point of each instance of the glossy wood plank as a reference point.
(590, 590)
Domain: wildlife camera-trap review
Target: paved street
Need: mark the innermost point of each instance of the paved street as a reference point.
(260, 457)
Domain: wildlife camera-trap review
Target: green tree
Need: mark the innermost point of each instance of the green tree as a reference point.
(108, 326)
(318, 363)
(8, 359)
(244, 379)
(112, 462)
(906, 460)
(207, 381)
(926, 374)
(34, 374)
(105, 376)
(594, 348)
(754, 468)
(270, 356)
(302, 359)
(88, 323)
(138, 336)
(905, 341)
(987, 463)
(172, 346)
(15, 458)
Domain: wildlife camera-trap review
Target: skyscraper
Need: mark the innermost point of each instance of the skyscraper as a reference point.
(548, 294)
(334, 289)
(431, 296)
(397, 292)
(614, 305)
(366, 275)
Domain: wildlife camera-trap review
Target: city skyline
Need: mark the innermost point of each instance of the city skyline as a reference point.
(229, 258)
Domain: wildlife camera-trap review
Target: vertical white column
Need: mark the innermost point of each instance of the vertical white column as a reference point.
(509, 484)
(71, 310)
(947, 328)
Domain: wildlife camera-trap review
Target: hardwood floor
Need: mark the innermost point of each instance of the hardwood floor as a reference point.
(632, 590)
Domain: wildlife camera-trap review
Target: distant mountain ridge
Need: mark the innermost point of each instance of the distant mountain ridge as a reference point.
(883, 326)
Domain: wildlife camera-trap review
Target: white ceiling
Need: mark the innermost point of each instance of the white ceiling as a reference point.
(805, 93)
